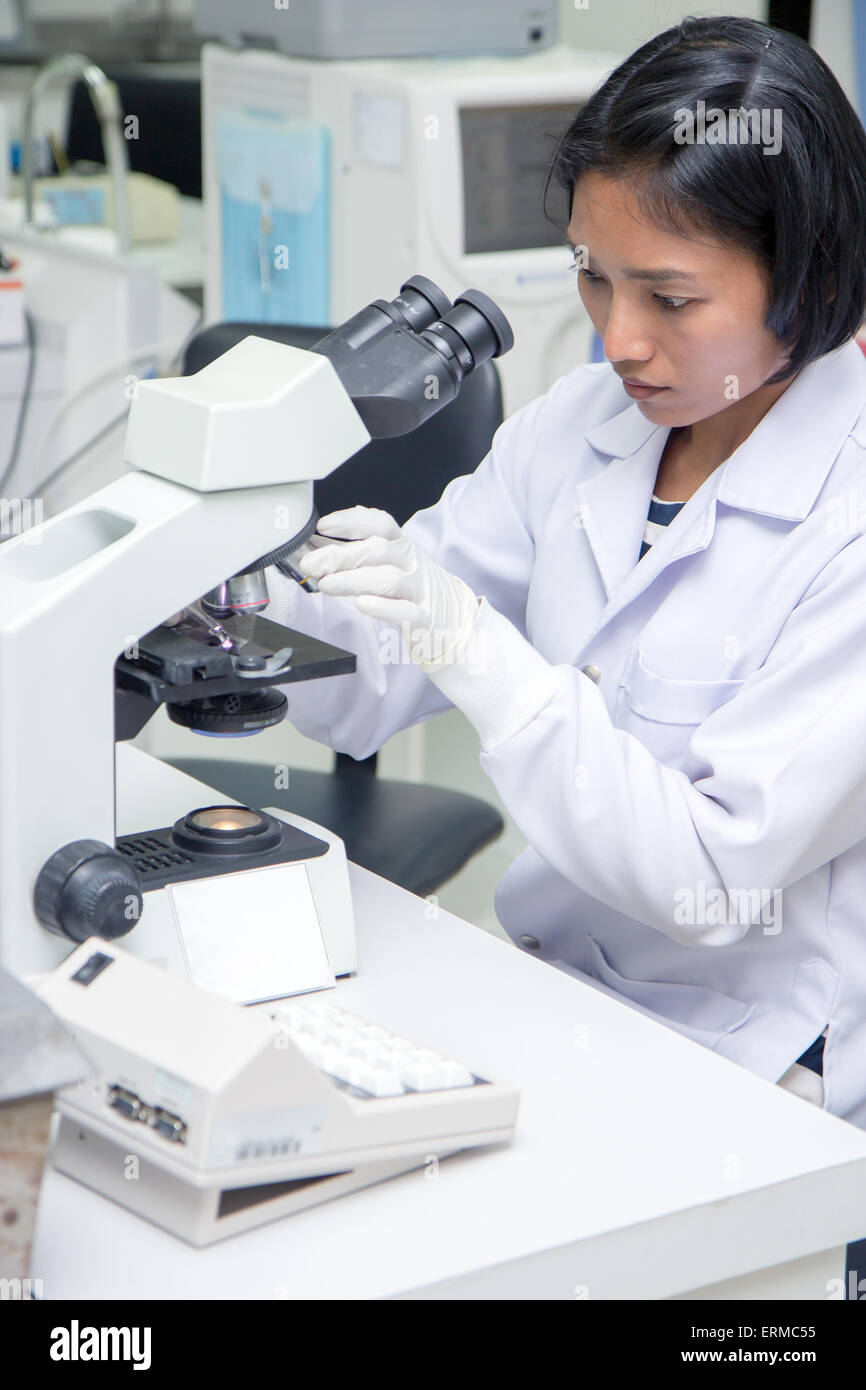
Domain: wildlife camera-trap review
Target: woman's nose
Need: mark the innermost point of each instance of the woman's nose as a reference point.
(625, 337)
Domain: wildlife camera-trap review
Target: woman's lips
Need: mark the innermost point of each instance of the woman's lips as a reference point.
(642, 393)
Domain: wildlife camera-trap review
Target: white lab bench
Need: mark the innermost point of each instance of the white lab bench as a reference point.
(644, 1166)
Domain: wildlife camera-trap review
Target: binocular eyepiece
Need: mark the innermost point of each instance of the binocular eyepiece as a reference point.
(472, 329)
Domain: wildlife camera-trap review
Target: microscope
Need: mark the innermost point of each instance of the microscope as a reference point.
(145, 945)
(121, 604)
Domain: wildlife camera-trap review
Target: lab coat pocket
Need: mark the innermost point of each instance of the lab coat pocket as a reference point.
(702, 1014)
(668, 700)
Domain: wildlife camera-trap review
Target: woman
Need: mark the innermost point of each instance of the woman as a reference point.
(653, 610)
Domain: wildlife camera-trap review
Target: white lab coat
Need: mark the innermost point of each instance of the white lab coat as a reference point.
(723, 750)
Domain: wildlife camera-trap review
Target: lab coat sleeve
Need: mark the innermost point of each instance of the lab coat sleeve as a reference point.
(477, 531)
(781, 788)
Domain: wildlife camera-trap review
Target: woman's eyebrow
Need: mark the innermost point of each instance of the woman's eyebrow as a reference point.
(665, 273)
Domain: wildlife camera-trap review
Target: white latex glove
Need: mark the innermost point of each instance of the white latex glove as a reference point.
(391, 579)
(475, 656)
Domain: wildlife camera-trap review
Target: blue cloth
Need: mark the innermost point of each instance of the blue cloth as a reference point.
(813, 1057)
(274, 190)
(660, 514)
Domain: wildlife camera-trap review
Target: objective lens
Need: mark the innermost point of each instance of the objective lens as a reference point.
(246, 592)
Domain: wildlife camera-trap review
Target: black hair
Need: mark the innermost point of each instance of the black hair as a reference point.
(801, 211)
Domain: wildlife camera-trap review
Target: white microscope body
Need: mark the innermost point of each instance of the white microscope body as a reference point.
(223, 1110)
(223, 467)
(100, 622)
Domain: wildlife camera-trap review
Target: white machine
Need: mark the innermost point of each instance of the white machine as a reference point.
(324, 179)
(121, 604)
(208, 1119)
(334, 29)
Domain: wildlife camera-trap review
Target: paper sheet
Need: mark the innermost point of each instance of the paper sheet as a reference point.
(252, 936)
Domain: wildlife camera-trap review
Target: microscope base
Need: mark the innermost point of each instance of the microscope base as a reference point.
(151, 792)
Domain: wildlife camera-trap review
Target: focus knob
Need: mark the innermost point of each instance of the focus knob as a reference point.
(88, 889)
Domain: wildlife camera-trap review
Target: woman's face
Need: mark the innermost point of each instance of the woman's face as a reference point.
(684, 315)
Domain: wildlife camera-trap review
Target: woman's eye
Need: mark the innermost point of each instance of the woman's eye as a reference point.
(593, 278)
(668, 303)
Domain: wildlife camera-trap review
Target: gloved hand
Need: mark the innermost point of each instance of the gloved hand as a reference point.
(391, 579)
(471, 652)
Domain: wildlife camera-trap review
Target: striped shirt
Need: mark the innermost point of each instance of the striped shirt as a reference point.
(661, 514)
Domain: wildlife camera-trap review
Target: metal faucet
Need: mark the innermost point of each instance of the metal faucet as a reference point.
(106, 104)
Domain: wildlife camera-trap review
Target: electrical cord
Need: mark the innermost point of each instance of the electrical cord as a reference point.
(26, 397)
(145, 354)
(84, 449)
(151, 351)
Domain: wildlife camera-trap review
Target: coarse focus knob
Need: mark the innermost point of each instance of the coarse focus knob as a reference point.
(88, 889)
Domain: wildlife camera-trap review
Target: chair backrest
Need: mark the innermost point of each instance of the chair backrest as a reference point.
(402, 475)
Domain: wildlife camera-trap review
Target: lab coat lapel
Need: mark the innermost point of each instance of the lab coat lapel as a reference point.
(779, 471)
(614, 506)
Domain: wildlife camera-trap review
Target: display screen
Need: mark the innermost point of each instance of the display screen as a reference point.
(506, 151)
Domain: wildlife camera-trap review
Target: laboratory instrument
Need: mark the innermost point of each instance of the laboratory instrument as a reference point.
(221, 476)
(331, 28)
(233, 1117)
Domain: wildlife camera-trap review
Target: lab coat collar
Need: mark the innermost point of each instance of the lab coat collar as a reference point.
(778, 471)
(780, 468)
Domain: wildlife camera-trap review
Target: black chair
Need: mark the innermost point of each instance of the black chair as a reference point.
(415, 836)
